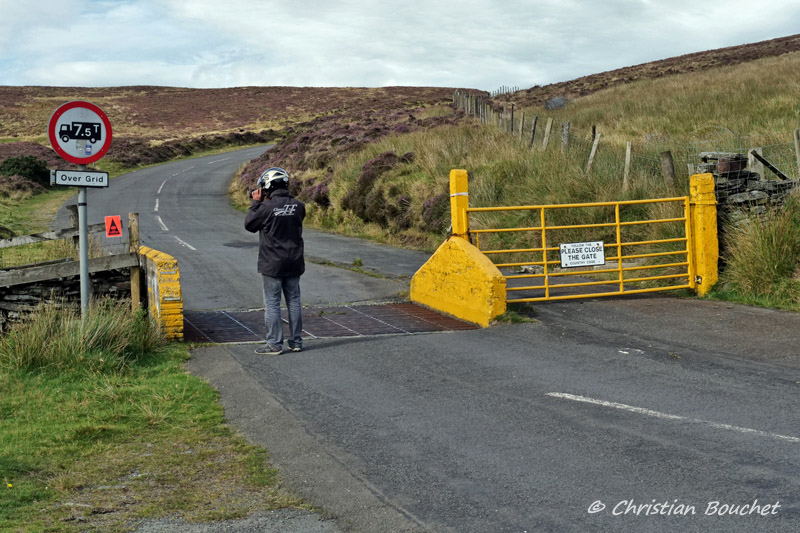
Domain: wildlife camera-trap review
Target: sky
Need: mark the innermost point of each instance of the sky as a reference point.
(481, 44)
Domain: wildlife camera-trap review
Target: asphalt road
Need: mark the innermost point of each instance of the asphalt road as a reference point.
(630, 414)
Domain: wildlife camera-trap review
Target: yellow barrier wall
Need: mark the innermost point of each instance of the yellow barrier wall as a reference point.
(461, 281)
(165, 301)
(705, 242)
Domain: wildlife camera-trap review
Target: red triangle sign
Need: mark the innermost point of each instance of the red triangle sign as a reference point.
(113, 226)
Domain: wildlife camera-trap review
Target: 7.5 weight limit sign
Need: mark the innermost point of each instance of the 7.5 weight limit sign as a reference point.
(80, 132)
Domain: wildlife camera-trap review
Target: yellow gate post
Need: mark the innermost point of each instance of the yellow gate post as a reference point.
(459, 279)
(705, 243)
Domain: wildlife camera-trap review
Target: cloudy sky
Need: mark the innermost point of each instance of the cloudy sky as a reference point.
(481, 44)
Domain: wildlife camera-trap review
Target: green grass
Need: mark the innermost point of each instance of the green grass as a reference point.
(97, 436)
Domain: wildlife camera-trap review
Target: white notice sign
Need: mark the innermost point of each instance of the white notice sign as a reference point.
(79, 178)
(581, 254)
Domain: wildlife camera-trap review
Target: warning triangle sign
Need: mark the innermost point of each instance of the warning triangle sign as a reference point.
(113, 226)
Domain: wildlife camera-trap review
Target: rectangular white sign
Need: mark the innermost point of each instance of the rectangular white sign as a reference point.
(79, 178)
(581, 254)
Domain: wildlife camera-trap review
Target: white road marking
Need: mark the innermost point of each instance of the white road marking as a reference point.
(186, 244)
(218, 160)
(162, 185)
(161, 223)
(156, 208)
(667, 416)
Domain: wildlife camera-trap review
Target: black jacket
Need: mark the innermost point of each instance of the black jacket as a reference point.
(279, 223)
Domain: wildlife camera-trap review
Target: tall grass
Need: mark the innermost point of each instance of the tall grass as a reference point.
(503, 172)
(757, 99)
(763, 260)
(58, 339)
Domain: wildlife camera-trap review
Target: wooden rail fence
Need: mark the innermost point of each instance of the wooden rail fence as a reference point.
(63, 268)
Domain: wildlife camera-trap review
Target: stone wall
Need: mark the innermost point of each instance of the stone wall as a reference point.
(739, 190)
(19, 300)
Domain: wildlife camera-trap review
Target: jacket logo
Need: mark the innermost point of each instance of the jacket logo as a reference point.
(284, 211)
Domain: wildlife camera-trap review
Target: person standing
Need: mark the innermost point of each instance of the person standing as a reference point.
(278, 219)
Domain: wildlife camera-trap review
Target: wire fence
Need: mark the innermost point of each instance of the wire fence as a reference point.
(657, 158)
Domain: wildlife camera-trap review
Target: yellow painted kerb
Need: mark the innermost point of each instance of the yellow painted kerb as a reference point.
(164, 291)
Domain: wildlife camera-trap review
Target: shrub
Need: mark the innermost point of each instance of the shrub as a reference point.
(18, 187)
(27, 166)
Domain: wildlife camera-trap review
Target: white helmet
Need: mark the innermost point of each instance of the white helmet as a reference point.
(272, 178)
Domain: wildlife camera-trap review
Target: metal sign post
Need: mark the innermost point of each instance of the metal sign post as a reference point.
(80, 133)
(83, 246)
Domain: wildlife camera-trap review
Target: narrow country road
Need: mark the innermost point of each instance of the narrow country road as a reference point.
(630, 414)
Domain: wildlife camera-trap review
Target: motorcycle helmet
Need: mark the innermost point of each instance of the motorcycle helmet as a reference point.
(273, 178)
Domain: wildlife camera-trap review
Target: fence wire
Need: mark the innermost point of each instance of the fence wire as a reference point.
(645, 162)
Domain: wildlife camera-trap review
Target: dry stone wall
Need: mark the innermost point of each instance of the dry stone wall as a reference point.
(18, 301)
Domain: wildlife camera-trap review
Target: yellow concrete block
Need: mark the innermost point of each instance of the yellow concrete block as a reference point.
(460, 281)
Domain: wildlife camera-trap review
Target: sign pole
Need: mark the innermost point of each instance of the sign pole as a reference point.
(83, 236)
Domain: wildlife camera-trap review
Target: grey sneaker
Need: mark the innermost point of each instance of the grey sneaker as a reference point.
(295, 348)
(269, 349)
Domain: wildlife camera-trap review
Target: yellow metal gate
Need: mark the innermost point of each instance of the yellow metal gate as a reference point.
(530, 253)
(611, 256)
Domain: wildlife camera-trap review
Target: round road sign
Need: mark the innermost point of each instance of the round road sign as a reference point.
(80, 132)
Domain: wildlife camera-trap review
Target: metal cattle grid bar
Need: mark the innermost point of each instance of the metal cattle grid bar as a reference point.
(623, 263)
(321, 322)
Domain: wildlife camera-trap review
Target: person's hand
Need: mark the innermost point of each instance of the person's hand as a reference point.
(257, 194)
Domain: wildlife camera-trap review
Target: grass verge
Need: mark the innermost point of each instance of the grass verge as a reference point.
(105, 435)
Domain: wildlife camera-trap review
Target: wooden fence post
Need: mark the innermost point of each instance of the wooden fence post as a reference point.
(547, 129)
(593, 152)
(511, 125)
(533, 131)
(797, 150)
(564, 137)
(136, 275)
(668, 167)
(754, 164)
(73, 223)
(626, 174)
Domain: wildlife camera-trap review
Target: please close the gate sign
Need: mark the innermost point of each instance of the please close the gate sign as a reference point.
(582, 254)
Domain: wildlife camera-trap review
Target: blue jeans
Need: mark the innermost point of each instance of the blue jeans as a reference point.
(290, 286)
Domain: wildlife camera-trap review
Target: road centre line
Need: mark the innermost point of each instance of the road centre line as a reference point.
(162, 184)
(186, 244)
(156, 208)
(218, 161)
(667, 416)
(161, 223)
